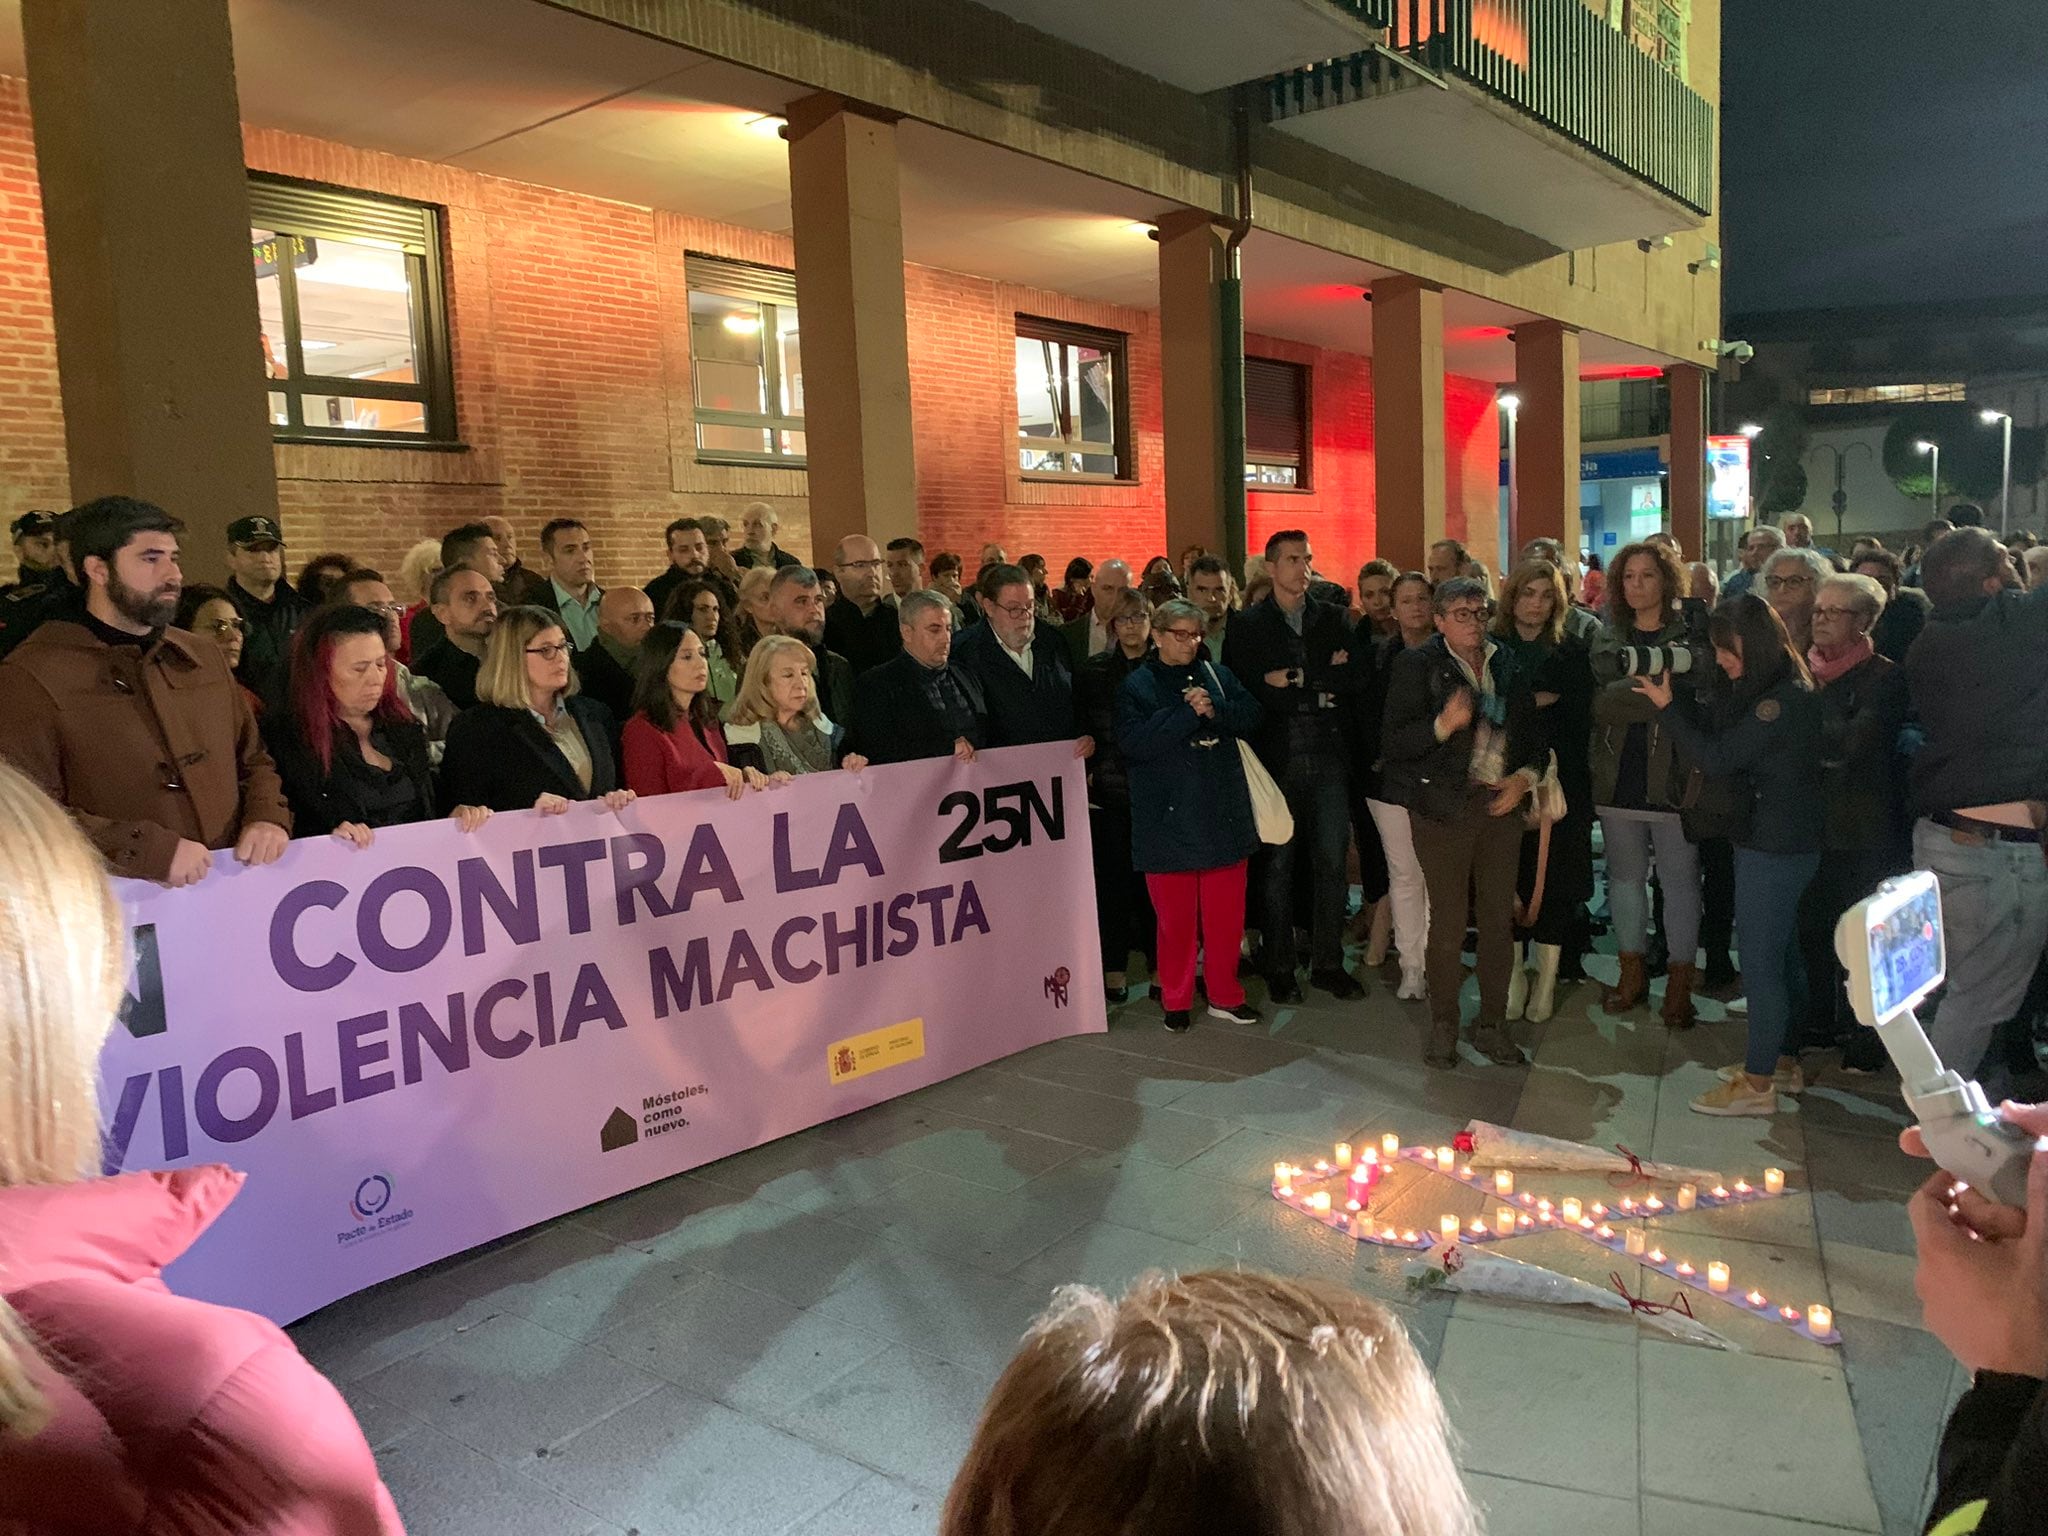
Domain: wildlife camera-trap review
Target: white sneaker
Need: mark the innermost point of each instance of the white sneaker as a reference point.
(1413, 988)
(1518, 989)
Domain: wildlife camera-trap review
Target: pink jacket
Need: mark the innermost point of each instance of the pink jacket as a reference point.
(172, 1417)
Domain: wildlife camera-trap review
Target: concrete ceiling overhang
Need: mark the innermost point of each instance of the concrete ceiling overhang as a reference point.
(1451, 139)
(1201, 45)
(532, 93)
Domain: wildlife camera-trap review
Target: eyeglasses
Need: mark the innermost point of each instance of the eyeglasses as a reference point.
(1178, 634)
(860, 565)
(1778, 583)
(549, 652)
(384, 610)
(1833, 613)
(1470, 615)
(1132, 618)
(229, 626)
(1016, 610)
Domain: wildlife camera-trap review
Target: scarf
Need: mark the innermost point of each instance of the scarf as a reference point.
(1827, 668)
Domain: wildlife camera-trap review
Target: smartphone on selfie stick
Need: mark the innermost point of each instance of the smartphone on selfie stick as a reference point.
(1892, 944)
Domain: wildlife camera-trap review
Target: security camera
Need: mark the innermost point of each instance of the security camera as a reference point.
(1658, 243)
(1737, 351)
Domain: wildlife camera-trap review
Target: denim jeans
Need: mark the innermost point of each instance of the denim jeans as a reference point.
(1994, 913)
(1628, 837)
(1767, 891)
(1321, 806)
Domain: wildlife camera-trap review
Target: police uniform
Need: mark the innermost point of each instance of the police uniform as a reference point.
(36, 595)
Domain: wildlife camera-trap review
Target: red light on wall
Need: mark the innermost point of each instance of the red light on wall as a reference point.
(1476, 333)
(1623, 371)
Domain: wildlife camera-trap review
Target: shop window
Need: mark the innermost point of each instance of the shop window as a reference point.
(1073, 401)
(746, 363)
(1887, 394)
(1276, 435)
(354, 322)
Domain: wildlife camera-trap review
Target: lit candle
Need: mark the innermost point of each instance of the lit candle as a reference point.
(1686, 1271)
(1386, 1234)
(1281, 1172)
(1573, 1210)
(1478, 1227)
(1635, 1242)
(1343, 1150)
(1717, 1276)
(1524, 1221)
(1448, 1225)
(1755, 1299)
(1604, 1232)
(1354, 1205)
(1790, 1314)
(1774, 1181)
(1465, 1172)
(1656, 1257)
(1628, 1204)
(1321, 1166)
(1503, 1181)
(1285, 1191)
(1599, 1209)
(1390, 1145)
(1688, 1196)
(1360, 1227)
(1504, 1221)
(1411, 1237)
(1820, 1320)
(1319, 1202)
(1444, 1158)
(1720, 1192)
(1742, 1187)
(1542, 1207)
(1526, 1198)
(1653, 1204)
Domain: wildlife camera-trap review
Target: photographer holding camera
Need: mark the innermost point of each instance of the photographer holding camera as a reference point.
(1638, 778)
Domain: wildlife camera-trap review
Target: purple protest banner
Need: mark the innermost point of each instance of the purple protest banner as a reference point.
(421, 1046)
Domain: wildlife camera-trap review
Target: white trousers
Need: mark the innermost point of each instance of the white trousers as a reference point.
(1405, 885)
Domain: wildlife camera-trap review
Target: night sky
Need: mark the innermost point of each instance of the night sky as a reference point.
(1883, 151)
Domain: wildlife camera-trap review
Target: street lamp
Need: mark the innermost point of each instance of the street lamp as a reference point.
(1935, 473)
(2004, 418)
(1512, 404)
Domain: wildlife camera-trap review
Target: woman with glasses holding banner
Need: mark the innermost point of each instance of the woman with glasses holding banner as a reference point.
(531, 743)
(1179, 719)
(1459, 747)
(210, 612)
(124, 1407)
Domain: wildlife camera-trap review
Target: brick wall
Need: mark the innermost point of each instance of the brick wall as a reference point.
(570, 339)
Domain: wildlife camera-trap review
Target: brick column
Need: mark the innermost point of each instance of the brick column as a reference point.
(1408, 417)
(848, 226)
(152, 285)
(1688, 506)
(1547, 447)
(1192, 265)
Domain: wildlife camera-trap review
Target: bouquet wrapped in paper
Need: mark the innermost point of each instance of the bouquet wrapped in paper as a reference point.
(1495, 1146)
(1478, 1272)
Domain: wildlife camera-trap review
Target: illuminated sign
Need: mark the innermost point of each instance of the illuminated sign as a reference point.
(1728, 477)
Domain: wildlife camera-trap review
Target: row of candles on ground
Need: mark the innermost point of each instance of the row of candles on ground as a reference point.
(1363, 1170)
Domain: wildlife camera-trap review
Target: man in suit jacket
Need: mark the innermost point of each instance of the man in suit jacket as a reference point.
(920, 703)
(1022, 669)
(796, 607)
(1293, 653)
(1090, 634)
(624, 616)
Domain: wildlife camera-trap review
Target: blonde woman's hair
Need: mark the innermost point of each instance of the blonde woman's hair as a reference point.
(751, 703)
(754, 583)
(63, 968)
(1223, 1400)
(418, 567)
(1537, 573)
(501, 679)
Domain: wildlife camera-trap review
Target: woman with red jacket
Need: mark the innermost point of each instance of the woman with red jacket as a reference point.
(673, 742)
(124, 1408)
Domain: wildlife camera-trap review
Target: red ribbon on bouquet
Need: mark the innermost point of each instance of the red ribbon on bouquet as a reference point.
(1677, 1303)
(1635, 1173)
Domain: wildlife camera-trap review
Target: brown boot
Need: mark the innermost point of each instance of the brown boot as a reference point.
(1443, 1043)
(1679, 981)
(1631, 989)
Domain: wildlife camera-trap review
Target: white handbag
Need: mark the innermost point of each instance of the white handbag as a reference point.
(1269, 807)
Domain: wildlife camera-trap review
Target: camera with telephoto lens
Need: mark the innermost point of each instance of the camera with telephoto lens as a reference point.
(1692, 657)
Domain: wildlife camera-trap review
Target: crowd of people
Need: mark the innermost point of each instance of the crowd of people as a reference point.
(1751, 755)
(1749, 762)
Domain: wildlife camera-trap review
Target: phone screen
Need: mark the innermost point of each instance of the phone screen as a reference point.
(1905, 952)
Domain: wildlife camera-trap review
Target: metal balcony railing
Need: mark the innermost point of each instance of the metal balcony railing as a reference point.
(1553, 59)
